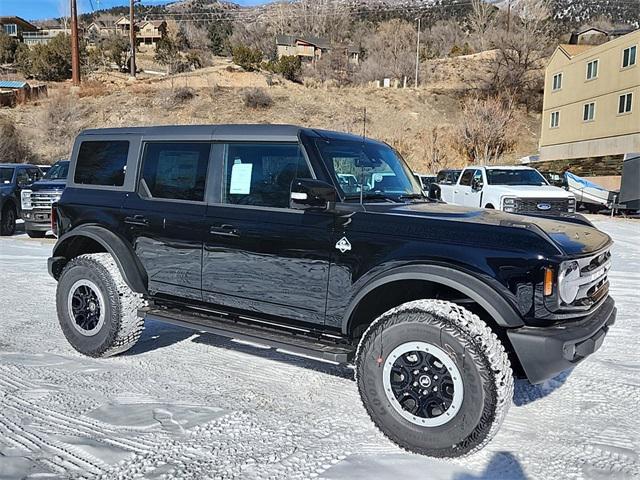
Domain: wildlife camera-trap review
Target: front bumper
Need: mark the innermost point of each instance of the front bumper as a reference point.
(544, 352)
(37, 220)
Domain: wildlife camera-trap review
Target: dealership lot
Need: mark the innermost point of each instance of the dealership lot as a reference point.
(194, 405)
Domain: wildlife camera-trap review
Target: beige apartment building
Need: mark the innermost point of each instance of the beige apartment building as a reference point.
(592, 101)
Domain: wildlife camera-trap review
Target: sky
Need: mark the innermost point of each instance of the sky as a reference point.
(41, 9)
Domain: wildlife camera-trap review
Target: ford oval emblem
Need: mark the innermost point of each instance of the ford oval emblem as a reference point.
(544, 206)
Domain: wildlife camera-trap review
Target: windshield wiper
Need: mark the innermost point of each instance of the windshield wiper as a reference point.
(411, 196)
(374, 196)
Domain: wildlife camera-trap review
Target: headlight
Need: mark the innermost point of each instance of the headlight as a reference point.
(510, 204)
(568, 285)
(571, 205)
(25, 199)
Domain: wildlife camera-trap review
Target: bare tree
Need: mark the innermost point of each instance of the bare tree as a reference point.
(64, 10)
(481, 21)
(484, 135)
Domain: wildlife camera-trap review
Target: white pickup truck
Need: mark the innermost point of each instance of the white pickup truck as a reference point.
(513, 189)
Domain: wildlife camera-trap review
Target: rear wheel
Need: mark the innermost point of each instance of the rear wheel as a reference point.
(8, 220)
(36, 233)
(434, 378)
(97, 311)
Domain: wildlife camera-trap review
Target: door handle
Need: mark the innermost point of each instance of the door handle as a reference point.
(139, 220)
(224, 230)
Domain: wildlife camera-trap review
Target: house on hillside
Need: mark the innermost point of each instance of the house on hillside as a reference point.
(591, 110)
(311, 49)
(148, 32)
(97, 30)
(16, 27)
(44, 35)
(597, 36)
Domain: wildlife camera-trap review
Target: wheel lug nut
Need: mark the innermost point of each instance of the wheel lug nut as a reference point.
(435, 377)
(415, 384)
(435, 389)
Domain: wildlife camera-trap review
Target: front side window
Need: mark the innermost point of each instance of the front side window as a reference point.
(589, 112)
(261, 174)
(629, 56)
(102, 163)
(625, 103)
(6, 175)
(467, 176)
(557, 81)
(58, 172)
(175, 171)
(592, 69)
(515, 176)
(555, 119)
(374, 170)
(477, 178)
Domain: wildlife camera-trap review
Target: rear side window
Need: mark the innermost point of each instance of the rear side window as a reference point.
(102, 163)
(176, 171)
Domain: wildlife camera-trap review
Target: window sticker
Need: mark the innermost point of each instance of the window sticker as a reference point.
(241, 179)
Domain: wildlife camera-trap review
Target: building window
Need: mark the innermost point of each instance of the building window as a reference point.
(624, 103)
(592, 69)
(557, 81)
(589, 112)
(10, 29)
(629, 57)
(555, 119)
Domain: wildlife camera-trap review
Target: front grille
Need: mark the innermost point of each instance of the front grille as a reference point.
(44, 199)
(533, 205)
(593, 281)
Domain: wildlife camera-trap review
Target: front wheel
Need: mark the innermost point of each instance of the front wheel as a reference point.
(36, 233)
(434, 378)
(8, 221)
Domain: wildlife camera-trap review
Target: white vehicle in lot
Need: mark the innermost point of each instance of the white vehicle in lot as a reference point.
(513, 189)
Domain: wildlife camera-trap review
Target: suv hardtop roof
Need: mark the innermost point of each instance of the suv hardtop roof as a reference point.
(253, 132)
(14, 165)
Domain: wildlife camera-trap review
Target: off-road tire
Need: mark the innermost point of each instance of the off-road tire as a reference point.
(477, 353)
(8, 220)
(122, 327)
(36, 233)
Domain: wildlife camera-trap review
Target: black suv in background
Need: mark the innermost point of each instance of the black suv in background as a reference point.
(37, 199)
(251, 232)
(14, 177)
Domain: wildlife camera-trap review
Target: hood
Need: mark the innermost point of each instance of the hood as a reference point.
(48, 185)
(571, 236)
(531, 191)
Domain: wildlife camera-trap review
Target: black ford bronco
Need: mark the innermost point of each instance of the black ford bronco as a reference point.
(247, 231)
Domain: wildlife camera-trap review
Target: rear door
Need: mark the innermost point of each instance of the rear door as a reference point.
(164, 216)
(260, 255)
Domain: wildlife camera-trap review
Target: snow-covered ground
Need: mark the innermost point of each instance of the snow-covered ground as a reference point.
(185, 404)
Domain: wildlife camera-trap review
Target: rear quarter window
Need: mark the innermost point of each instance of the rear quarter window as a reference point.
(102, 163)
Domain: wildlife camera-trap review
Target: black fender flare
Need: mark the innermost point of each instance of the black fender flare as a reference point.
(128, 263)
(504, 314)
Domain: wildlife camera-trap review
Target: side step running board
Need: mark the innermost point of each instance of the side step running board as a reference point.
(299, 341)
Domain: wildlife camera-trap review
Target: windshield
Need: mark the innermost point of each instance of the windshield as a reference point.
(6, 174)
(58, 172)
(371, 169)
(515, 177)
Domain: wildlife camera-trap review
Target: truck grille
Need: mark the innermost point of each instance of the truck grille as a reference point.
(593, 281)
(44, 199)
(533, 205)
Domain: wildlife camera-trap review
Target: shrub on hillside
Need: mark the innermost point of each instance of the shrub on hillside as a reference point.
(51, 61)
(289, 66)
(256, 98)
(8, 47)
(179, 96)
(247, 58)
(13, 147)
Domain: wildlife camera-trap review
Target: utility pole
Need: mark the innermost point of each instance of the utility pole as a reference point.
(132, 38)
(75, 49)
(418, 53)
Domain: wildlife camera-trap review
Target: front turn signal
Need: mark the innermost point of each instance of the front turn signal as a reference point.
(548, 281)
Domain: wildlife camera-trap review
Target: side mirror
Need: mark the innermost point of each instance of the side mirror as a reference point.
(310, 194)
(476, 185)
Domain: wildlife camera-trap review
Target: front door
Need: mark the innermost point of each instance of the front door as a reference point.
(164, 218)
(260, 255)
